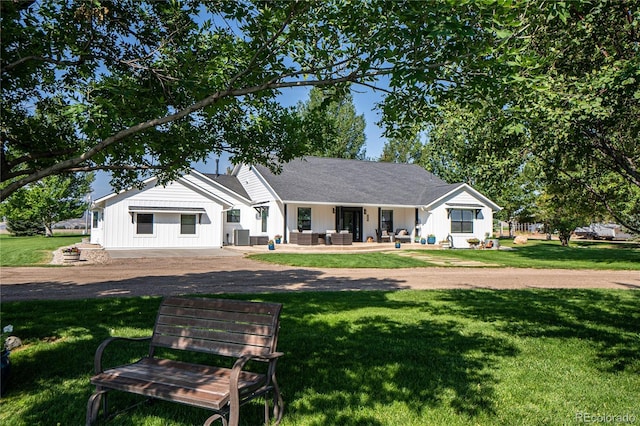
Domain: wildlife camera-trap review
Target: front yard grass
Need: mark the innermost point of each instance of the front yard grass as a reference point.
(535, 254)
(367, 358)
(32, 251)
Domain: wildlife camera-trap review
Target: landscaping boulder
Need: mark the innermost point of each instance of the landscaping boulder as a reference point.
(520, 240)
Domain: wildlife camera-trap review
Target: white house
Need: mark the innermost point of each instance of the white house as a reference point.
(311, 194)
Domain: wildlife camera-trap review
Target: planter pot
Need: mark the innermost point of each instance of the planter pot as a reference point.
(5, 366)
(431, 240)
(272, 246)
(397, 244)
(423, 241)
(278, 240)
(70, 257)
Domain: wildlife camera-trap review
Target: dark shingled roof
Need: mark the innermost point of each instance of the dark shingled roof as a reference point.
(229, 182)
(340, 181)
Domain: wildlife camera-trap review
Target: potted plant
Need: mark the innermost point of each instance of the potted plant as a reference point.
(398, 244)
(272, 245)
(278, 238)
(431, 239)
(445, 244)
(423, 241)
(473, 242)
(71, 254)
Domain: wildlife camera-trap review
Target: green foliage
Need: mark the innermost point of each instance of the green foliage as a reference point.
(556, 104)
(50, 200)
(146, 88)
(21, 227)
(329, 116)
(375, 358)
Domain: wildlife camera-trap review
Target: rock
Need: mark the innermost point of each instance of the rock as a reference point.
(12, 342)
(520, 240)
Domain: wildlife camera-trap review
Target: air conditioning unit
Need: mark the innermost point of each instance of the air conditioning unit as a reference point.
(240, 237)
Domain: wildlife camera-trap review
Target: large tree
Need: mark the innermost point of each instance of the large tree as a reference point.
(50, 200)
(564, 94)
(330, 119)
(146, 88)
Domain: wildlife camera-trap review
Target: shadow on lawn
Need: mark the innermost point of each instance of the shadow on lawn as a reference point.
(610, 322)
(376, 361)
(414, 349)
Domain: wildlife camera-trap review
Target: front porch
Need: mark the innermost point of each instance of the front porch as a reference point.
(345, 225)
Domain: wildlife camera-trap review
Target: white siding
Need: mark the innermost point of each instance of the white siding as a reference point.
(254, 185)
(437, 222)
(120, 227)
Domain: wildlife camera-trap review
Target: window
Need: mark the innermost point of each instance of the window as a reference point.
(461, 221)
(95, 217)
(304, 218)
(187, 224)
(386, 223)
(233, 216)
(264, 214)
(144, 223)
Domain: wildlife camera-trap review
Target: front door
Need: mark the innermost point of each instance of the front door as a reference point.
(350, 218)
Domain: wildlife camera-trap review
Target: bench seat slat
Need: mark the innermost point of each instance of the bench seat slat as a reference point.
(213, 335)
(222, 305)
(242, 317)
(191, 384)
(201, 345)
(259, 330)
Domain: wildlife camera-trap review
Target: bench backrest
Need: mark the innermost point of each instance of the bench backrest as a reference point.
(217, 326)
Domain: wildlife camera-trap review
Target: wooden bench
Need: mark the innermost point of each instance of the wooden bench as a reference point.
(240, 330)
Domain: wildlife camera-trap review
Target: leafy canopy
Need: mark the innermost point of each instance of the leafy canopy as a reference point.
(332, 124)
(146, 88)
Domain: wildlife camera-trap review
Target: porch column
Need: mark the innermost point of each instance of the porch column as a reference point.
(285, 232)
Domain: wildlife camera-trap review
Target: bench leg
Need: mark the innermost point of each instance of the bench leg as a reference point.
(93, 406)
(215, 417)
(278, 404)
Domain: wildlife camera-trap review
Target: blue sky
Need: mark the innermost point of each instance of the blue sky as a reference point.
(364, 100)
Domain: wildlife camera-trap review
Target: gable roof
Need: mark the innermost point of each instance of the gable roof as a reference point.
(341, 181)
(230, 182)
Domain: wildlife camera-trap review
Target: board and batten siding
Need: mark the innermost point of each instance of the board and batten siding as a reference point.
(120, 224)
(254, 185)
(439, 223)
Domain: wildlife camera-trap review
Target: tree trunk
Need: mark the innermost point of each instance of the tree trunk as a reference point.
(564, 237)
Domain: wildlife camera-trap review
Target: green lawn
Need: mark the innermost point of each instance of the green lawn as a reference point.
(536, 254)
(29, 251)
(368, 358)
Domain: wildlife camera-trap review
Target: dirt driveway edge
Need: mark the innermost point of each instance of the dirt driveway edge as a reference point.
(237, 274)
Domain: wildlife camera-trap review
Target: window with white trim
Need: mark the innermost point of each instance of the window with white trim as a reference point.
(187, 224)
(144, 223)
(304, 218)
(462, 221)
(233, 216)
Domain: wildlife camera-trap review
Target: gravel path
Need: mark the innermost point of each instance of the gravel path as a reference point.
(104, 277)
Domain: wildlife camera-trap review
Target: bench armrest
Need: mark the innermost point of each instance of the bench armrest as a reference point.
(269, 357)
(97, 362)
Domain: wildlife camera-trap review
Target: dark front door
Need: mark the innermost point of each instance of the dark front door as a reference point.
(350, 218)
